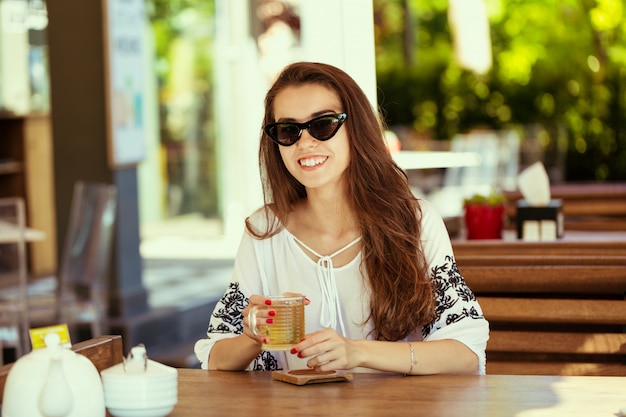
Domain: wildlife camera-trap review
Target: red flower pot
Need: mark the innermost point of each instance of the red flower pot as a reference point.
(484, 221)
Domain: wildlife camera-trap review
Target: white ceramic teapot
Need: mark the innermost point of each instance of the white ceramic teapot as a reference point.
(53, 382)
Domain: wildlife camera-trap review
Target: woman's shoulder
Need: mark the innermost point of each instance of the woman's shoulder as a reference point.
(263, 219)
(428, 211)
(431, 220)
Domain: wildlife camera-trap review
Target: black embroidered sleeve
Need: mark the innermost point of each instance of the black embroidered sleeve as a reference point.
(228, 318)
(228, 311)
(454, 299)
(265, 362)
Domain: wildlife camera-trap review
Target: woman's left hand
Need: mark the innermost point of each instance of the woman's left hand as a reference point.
(328, 351)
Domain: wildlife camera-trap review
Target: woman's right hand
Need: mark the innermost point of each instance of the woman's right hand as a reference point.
(264, 316)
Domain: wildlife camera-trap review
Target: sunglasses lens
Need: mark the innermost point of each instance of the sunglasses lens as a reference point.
(324, 128)
(285, 133)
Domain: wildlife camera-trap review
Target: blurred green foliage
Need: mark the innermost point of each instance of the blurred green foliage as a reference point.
(494, 198)
(184, 32)
(172, 20)
(558, 63)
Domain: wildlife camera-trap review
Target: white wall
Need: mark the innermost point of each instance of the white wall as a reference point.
(239, 87)
(341, 33)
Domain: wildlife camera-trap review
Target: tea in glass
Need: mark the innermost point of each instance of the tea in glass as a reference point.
(288, 326)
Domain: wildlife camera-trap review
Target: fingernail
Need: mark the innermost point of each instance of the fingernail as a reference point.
(268, 321)
(302, 340)
(266, 340)
(306, 299)
(268, 302)
(294, 350)
(300, 355)
(271, 313)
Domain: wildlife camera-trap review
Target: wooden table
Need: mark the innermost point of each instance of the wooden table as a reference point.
(573, 243)
(219, 393)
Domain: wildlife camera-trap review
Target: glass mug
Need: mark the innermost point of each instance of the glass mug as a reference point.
(288, 327)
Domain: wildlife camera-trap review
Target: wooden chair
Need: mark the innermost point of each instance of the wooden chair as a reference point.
(103, 351)
(552, 315)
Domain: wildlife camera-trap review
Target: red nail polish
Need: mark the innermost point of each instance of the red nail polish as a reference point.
(269, 321)
(302, 340)
(294, 350)
(271, 313)
(268, 302)
(300, 354)
(266, 340)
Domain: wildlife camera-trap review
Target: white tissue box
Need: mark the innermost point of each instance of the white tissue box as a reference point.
(535, 223)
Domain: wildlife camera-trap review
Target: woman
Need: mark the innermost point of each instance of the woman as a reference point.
(341, 226)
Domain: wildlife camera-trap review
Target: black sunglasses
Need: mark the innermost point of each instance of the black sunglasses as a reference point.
(321, 128)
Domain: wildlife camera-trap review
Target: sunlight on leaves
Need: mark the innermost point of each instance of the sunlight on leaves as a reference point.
(607, 15)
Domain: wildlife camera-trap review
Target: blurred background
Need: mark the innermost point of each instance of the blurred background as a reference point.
(511, 81)
(553, 71)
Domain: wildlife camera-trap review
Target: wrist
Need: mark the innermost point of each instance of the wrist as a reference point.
(360, 353)
(412, 359)
(254, 344)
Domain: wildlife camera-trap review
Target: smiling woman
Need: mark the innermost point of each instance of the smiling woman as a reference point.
(341, 226)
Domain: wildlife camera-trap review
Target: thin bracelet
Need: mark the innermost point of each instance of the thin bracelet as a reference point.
(413, 360)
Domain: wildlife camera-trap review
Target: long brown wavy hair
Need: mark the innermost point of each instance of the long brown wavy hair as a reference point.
(389, 215)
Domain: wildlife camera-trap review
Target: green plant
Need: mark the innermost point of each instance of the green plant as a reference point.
(494, 198)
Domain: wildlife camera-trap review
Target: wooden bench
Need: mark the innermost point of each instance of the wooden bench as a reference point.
(103, 351)
(551, 315)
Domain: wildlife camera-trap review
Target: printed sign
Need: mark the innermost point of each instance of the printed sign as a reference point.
(125, 22)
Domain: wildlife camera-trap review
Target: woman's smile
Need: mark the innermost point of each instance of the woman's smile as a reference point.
(312, 161)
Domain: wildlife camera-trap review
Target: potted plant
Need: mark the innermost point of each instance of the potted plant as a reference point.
(484, 215)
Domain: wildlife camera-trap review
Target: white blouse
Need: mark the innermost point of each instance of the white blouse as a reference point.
(339, 296)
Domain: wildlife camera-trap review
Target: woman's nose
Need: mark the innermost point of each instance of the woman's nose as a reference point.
(306, 140)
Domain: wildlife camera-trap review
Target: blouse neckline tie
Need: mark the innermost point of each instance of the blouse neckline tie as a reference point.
(330, 313)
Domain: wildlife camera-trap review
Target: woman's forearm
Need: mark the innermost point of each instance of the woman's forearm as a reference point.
(433, 357)
(233, 354)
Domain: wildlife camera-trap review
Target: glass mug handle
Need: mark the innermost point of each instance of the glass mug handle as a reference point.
(252, 320)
